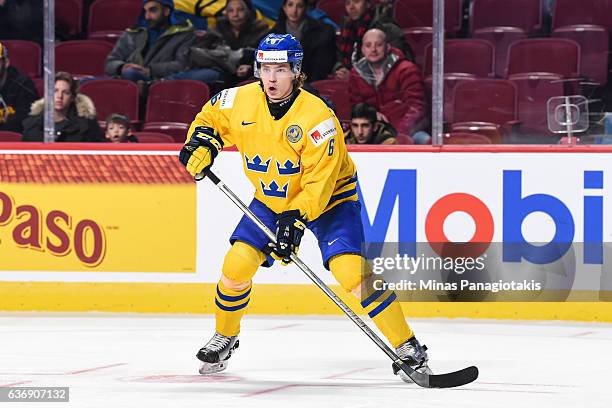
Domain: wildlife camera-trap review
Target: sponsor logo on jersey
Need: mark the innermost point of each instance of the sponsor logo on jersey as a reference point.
(323, 131)
(247, 123)
(293, 133)
(227, 97)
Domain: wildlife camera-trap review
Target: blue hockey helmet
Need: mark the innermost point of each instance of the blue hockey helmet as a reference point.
(279, 48)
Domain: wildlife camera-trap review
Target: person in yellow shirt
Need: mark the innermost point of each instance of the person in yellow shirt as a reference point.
(294, 154)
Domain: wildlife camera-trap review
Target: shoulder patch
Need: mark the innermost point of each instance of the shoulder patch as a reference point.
(227, 98)
(294, 133)
(323, 131)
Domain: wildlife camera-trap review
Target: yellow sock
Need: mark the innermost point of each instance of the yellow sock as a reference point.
(230, 307)
(382, 306)
(239, 266)
(384, 309)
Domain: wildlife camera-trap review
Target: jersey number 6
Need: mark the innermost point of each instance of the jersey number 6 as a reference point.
(331, 146)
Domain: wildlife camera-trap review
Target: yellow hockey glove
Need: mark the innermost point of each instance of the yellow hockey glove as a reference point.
(198, 154)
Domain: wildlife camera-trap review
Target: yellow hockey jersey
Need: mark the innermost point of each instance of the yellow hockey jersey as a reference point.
(298, 162)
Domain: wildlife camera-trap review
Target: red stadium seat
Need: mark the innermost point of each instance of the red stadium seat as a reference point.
(82, 58)
(490, 130)
(554, 55)
(334, 9)
(418, 38)
(337, 92)
(39, 84)
(419, 13)
(593, 41)
(113, 96)
(485, 100)
(26, 56)
(8, 136)
(464, 138)
(108, 19)
(534, 90)
(176, 101)
(523, 14)
(172, 106)
(176, 130)
(468, 56)
(571, 12)
(501, 38)
(153, 137)
(450, 82)
(329, 85)
(69, 15)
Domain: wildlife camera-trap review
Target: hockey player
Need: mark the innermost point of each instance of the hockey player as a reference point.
(294, 154)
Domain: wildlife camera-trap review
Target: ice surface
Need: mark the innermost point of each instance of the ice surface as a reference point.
(295, 361)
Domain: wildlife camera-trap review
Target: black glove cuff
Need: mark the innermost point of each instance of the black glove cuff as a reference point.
(291, 214)
(206, 136)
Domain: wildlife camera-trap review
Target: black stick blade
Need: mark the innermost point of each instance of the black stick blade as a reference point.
(447, 380)
(454, 379)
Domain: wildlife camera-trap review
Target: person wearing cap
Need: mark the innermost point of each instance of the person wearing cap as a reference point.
(293, 152)
(153, 52)
(17, 92)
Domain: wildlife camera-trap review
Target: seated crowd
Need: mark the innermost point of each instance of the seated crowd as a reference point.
(364, 63)
(162, 48)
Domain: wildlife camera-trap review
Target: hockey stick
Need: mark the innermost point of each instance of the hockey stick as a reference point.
(453, 379)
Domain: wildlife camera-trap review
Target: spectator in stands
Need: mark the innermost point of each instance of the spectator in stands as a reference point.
(212, 60)
(318, 39)
(75, 115)
(390, 83)
(361, 17)
(240, 29)
(17, 92)
(367, 129)
(118, 129)
(21, 20)
(320, 15)
(153, 52)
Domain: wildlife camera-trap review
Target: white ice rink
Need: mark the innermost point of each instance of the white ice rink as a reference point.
(148, 362)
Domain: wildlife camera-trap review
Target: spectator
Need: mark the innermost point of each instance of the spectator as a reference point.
(241, 30)
(21, 20)
(153, 52)
(320, 15)
(118, 129)
(75, 115)
(361, 17)
(390, 83)
(17, 92)
(367, 129)
(318, 39)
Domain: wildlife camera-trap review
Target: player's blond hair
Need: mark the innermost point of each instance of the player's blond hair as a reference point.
(299, 81)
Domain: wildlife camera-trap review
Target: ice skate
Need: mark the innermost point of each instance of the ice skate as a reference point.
(412, 353)
(216, 352)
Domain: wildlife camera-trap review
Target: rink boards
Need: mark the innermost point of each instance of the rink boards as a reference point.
(107, 228)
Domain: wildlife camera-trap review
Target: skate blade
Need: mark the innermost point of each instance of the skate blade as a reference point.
(212, 368)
